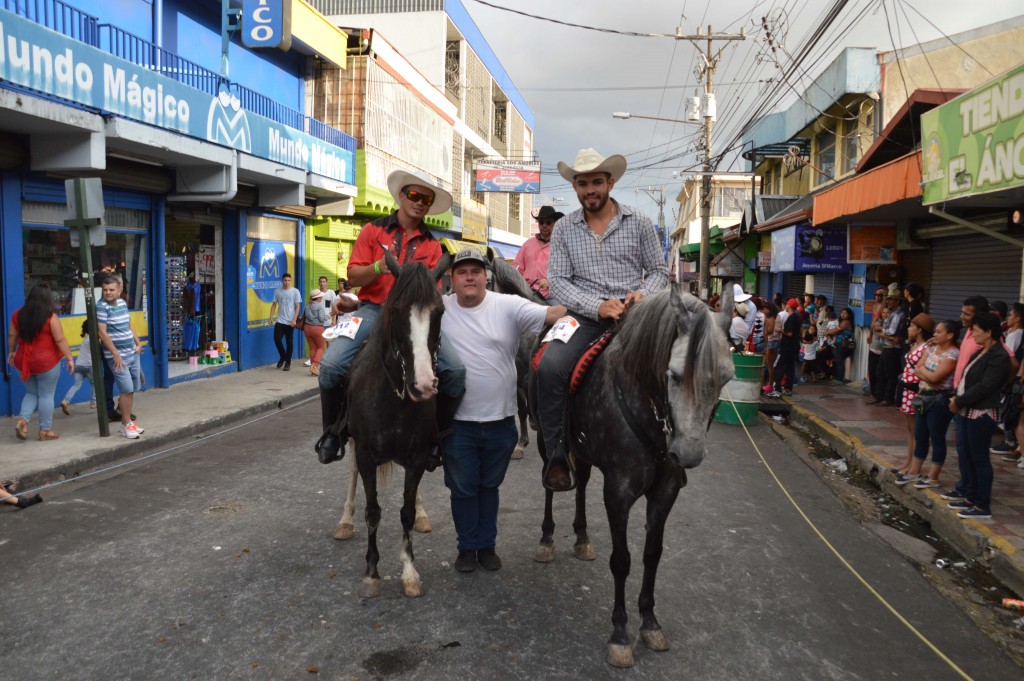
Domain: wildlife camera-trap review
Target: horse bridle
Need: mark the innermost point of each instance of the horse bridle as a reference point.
(403, 391)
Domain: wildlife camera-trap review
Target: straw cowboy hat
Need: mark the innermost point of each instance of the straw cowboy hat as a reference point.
(316, 294)
(400, 179)
(589, 161)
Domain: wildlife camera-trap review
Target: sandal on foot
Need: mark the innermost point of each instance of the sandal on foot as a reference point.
(48, 435)
(21, 429)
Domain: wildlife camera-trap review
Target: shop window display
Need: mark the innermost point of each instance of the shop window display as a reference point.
(50, 258)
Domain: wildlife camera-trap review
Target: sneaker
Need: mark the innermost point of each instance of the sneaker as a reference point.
(308, 363)
(65, 407)
(905, 479)
(466, 562)
(787, 393)
(975, 512)
(925, 483)
(1004, 448)
(774, 394)
(139, 429)
(488, 559)
(129, 431)
(959, 505)
(952, 495)
(287, 366)
(92, 405)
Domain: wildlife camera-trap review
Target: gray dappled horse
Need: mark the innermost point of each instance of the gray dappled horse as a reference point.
(641, 417)
(391, 418)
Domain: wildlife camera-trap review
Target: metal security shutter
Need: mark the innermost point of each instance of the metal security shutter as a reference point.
(325, 261)
(974, 265)
(835, 286)
(764, 283)
(794, 284)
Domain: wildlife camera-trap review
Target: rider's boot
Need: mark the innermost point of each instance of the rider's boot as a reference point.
(331, 445)
(559, 472)
(446, 408)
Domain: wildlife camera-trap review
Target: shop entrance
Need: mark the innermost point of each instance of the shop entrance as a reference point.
(194, 273)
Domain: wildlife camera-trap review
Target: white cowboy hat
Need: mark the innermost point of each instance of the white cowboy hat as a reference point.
(316, 294)
(400, 179)
(589, 161)
(738, 294)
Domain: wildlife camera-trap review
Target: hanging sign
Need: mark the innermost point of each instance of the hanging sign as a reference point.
(267, 24)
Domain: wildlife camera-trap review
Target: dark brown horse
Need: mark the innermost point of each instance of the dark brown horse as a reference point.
(391, 413)
(641, 418)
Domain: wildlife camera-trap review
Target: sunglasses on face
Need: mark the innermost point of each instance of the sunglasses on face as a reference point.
(419, 197)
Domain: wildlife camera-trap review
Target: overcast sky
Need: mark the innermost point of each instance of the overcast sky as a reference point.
(574, 78)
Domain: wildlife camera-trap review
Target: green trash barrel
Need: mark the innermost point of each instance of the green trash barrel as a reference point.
(744, 390)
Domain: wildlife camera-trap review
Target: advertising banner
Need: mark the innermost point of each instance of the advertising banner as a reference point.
(266, 262)
(869, 244)
(499, 175)
(974, 144)
(40, 59)
(803, 248)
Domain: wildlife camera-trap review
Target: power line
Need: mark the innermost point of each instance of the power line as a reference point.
(633, 34)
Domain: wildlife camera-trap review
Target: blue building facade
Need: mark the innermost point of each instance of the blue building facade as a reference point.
(210, 170)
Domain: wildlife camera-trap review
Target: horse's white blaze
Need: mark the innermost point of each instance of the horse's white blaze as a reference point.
(423, 363)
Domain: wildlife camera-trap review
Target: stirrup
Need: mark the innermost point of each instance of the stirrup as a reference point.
(560, 459)
(329, 448)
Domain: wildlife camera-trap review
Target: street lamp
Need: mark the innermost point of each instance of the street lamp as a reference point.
(625, 115)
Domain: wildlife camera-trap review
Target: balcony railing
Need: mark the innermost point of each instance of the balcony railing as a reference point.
(84, 27)
(58, 16)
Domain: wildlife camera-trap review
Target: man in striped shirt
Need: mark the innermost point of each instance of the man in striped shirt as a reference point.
(604, 257)
(122, 348)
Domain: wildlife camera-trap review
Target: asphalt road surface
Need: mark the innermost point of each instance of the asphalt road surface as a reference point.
(217, 562)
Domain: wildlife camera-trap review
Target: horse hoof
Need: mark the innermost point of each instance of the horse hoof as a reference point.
(413, 588)
(545, 553)
(517, 453)
(654, 639)
(369, 588)
(422, 525)
(620, 656)
(344, 531)
(584, 551)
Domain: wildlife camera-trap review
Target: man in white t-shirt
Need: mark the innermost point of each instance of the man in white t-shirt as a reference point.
(484, 327)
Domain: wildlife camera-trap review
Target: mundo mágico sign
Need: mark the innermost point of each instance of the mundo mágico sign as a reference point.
(974, 144)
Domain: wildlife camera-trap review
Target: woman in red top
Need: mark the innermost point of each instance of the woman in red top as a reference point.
(37, 343)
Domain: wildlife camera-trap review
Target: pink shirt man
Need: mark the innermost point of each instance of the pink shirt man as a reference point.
(532, 259)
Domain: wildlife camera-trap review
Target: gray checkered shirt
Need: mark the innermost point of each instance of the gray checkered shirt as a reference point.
(586, 269)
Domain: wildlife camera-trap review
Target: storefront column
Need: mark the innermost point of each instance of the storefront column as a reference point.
(12, 280)
(158, 294)
(234, 284)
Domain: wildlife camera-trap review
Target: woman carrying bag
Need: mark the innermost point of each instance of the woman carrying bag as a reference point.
(315, 318)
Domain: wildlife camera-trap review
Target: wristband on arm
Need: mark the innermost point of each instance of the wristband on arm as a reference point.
(376, 266)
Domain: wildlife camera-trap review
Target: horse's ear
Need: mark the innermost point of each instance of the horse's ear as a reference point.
(392, 263)
(442, 265)
(490, 254)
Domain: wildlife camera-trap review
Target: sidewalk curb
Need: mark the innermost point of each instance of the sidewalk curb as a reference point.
(971, 537)
(116, 449)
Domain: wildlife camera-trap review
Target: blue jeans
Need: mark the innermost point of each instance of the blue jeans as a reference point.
(476, 456)
(932, 424)
(973, 438)
(81, 374)
(334, 365)
(39, 391)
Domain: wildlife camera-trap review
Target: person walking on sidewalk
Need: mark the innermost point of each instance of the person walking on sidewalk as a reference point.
(919, 332)
(317, 319)
(485, 328)
(122, 349)
(935, 375)
(83, 372)
(976, 406)
(284, 313)
(407, 238)
(36, 344)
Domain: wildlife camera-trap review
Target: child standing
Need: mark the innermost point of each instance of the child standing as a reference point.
(809, 347)
(83, 370)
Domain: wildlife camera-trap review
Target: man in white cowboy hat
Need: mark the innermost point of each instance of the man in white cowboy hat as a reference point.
(741, 296)
(533, 256)
(405, 236)
(604, 257)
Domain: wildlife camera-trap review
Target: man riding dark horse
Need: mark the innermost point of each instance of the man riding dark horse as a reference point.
(605, 256)
(407, 238)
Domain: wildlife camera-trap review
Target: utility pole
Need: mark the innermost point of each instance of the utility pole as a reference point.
(707, 70)
(660, 200)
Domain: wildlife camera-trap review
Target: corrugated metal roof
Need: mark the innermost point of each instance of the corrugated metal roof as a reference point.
(889, 183)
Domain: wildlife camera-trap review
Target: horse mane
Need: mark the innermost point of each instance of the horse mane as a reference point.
(414, 286)
(507, 279)
(643, 344)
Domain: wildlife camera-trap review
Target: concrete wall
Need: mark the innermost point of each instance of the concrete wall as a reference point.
(419, 36)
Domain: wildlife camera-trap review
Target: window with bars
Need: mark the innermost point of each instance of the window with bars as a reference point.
(514, 201)
(452, 68)
(825, 156)
(500, 120)
(851, 144)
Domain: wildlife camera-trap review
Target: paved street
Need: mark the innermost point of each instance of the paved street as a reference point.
(217, 562)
